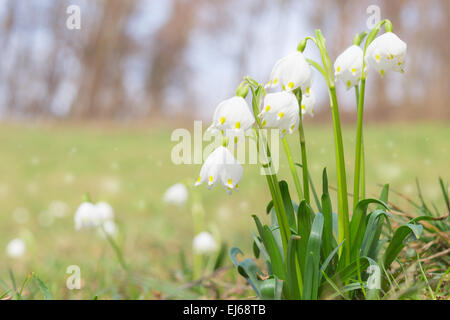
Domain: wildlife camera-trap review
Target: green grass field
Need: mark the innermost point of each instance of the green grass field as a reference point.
(131, 168)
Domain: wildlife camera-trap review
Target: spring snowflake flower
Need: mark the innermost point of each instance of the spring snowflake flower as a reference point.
(104, 211)
(89, 215)
(291, 72)
(176, 195)
(348, 66)
(204, 243)
(387, 52)
(221, 166)
(280, 111)
(16, 248)
(109, 227)
(86, 216)
(308, 103)
(232, 117)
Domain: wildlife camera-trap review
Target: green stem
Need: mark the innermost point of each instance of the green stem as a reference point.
(275, 191)
(304, 159)
(293, 170)
(343, 217)
(280, 210)
(358, 144)
(117, 251)
(363, 170)
(363, 156)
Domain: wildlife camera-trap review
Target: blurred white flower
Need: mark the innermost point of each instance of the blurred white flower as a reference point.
(204, 243)
(232, 117)
(221, 166)
(280, 110)
(58, 209)
(348, 66)
(308, 103)
(86, 216)
(291, 72)
(16, 248)
(387, 52)
(176, 195)
(104, 211)
(89, 215)
(109, 227)
(21, 215)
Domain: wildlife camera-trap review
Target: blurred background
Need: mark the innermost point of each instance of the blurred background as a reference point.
(147, 58)
(92, 110)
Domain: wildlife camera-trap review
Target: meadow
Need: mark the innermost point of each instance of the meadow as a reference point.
(45, 171)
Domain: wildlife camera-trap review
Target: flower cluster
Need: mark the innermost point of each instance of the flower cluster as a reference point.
(385, 53)
(280, 110)
(93, 216)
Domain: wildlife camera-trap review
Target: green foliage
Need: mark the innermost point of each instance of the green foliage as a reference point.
(313, 267)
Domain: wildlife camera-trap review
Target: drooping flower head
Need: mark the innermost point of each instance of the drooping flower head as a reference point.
(89, 215)
(104, 211)
(308, 103)
(232, 117)
(386, 53)
(221, 166)
(86, 216)
(204, 243)
(291, 72)
(176, 195)
(280, 110)
(348, 66)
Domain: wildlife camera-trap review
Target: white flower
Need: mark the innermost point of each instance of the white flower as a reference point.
(89, 215)
(291, 72)
(348, 66)
(104, 211)
(204, 243)
(176, 195)
(280, 111)
(308, 103)
(109, 227)
(16, 248)
(387, 52)
(232, 117)
(221, 166)
(86, 216)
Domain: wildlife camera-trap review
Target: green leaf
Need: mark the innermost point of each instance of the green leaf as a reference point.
(257, 242)
(358, 225)
(43, 288)
(268, 289)
(287, 203)
(397, 242)
(221, 256)
(312, 275)
(328, 242)
(3, 295)
(346, 273)
(269, 206)
(292, 272)
(328, 260)
(445, 193)
(273, 249)
(372, 234)
(304, 229)
(247, 268)
(276, 258)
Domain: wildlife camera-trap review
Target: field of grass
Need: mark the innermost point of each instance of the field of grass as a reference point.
(46, 170)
